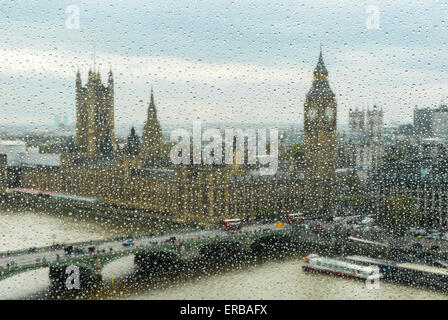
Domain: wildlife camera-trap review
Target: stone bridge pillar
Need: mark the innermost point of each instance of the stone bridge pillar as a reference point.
(157, 263)
(98, 267)
(72, 278)
(182, 252)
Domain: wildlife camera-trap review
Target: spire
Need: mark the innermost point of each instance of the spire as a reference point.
(152, 95)
(320, 86)
(94, 57)
(78, 79)
(90, 76)
(133, 144)
(110, 81)
(152, 133)
(152, 106)
(320, 71)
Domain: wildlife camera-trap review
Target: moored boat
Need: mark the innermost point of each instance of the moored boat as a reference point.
(340, 267)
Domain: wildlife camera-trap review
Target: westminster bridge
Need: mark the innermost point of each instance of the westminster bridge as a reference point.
(153, 253)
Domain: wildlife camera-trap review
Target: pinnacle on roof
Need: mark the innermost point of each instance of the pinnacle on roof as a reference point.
(320, 67)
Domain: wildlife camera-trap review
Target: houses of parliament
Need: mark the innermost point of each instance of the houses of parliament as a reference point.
(140, 175)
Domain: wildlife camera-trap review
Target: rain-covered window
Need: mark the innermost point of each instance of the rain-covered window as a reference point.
(223, 150)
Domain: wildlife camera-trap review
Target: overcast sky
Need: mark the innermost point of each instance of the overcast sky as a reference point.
(222, 61)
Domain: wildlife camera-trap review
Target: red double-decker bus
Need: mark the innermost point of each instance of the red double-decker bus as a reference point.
(232, 224)
(295, 218)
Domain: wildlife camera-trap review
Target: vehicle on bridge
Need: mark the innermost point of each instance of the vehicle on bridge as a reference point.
(68, 250)
(295, 218)
(11, 263)
(128, 243)
(32, 249)
(56, 246)
(79, 250)
(232, 224)
(171, 240)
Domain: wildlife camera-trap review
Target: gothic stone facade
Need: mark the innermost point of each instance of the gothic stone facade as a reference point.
(189, 192)
(320, 143)
(196, 193)
(95, 116)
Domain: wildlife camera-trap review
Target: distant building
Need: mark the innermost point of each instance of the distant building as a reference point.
(431, 122)
(137, 177)
(406, 129)
(440, 122)
(374, 126)
(423, 122)
(18, 155)
(95, 136)
(421, 172)
(356, 121)
(13, 149)
(366, 140)
(433, 148)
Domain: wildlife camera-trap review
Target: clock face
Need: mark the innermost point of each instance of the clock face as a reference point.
(312, 113)
(329, 113)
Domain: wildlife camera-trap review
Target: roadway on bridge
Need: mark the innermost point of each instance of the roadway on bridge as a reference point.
(50, 255)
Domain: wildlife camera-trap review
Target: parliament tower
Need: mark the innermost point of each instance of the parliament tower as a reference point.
(95, 116)
(320, 143)
(152, 144)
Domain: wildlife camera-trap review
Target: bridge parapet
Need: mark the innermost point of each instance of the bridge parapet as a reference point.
(186, 247)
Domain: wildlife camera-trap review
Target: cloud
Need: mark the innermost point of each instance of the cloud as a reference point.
(63, 64)
(188, 89)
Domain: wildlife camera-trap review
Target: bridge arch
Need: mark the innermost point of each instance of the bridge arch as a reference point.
(273, 244)
(157, 262)
(221, 251)
(57, 273)
(88, 278)
(13, 271)
(31, 283)
(108, 258)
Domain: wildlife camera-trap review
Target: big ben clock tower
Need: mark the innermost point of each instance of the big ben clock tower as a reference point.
(320, 143)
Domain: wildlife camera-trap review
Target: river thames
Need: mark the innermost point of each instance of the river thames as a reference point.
(269, 279)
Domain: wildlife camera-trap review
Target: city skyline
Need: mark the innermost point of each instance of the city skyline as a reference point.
(223, 150)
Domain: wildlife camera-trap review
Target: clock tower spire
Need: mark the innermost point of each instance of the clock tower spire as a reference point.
(320, 143)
